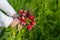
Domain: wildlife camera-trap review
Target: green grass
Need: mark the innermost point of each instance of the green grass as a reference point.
(47, 17)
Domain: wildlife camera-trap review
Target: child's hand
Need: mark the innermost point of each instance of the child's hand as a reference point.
(15, 22)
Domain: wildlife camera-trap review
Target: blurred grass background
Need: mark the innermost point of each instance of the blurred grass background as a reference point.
(47, 17)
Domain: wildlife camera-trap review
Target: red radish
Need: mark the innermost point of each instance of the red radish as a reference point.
(23, 22)
(33, 23)
(21, 11)
(31, 17)
(29, 27)
(19, 18)
(27, 13)
(23, 14)
(23, 18)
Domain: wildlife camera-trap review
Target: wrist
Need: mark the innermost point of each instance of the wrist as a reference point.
(15, 16)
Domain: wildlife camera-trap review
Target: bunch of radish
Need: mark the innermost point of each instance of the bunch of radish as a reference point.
(23, 16)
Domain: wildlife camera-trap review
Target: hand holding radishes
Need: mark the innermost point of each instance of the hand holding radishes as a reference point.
(13, 19)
